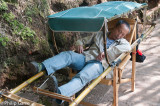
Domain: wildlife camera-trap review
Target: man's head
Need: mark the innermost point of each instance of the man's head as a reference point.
(121, 29)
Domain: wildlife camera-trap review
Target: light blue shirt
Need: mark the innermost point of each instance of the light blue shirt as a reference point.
(109, 42)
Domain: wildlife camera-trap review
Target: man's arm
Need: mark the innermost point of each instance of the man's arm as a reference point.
(115, 51)
(82, 42)
(100, 56)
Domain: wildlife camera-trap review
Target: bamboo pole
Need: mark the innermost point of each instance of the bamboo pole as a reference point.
(105, 42)
(24, 84)
(144, 18)
(120, 75)
(97, 80)
(121, 67)
(133, 63)
(143, 36)
(54, 42)
(124, 62)
(90, 87)
(134, 31)
(115, 87)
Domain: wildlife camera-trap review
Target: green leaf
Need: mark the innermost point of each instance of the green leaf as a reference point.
(4, 43)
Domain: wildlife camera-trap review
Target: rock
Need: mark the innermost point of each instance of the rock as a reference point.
(59, 5)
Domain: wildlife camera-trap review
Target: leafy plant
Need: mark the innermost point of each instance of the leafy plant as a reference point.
(18, 27)
(12, 1)
(29, 19)
(3, 5)
(3, 40)
(9, 17)
(32, 10)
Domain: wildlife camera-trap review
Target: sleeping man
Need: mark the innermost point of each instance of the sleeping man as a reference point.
(89, 63)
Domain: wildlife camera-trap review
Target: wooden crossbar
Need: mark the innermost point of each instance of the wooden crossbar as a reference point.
(58, 96)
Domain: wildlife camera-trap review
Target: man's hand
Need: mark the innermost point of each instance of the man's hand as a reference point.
(79, 49)
(100, 56)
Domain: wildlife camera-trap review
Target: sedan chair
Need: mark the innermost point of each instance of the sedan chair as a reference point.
(90, 19)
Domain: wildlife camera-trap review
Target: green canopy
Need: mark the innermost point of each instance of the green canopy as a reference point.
(90, 18)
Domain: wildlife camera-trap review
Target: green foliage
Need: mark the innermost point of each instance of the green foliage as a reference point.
(29, 19)
(43, 8)
(40, 7)
(8, 17)
(10, 61)
(3, 5)
(11, 1)
(31, 10)
(35, 40)
(17, 27)
(3, 40)
(17, 43)
(60, 39)
(27, 32)
(45, 5)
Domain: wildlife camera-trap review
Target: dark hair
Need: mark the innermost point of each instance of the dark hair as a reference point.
(120, 22)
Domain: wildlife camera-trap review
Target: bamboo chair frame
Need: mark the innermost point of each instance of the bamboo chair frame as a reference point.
(118, 71)
(117, 77)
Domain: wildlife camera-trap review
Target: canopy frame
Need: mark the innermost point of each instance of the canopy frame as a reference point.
(73, 19)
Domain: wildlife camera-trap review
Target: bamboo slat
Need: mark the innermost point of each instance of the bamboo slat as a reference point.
(58, 96)
(125, 80)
